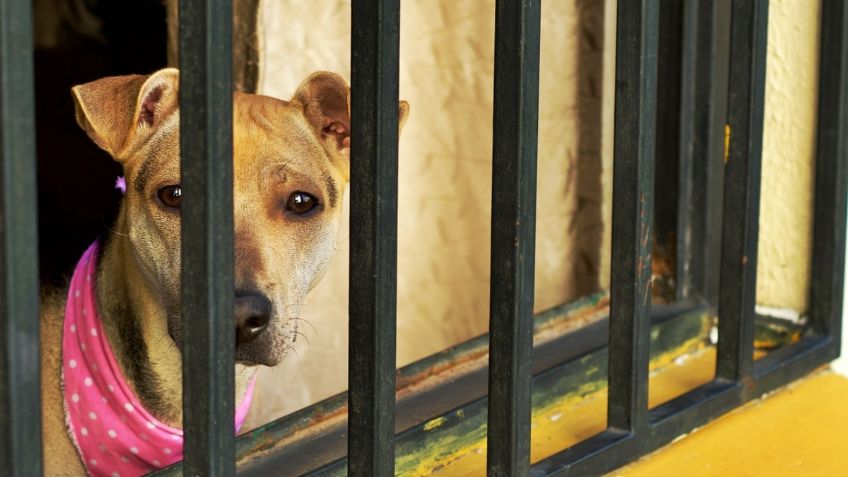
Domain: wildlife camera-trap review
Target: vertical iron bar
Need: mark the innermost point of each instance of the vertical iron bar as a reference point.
(830, 186)
(688, 226)
(515, 133)
(20, 385)
(705, 114)
(738, 279)
(632, 219)
(375, 46)
(206, 150)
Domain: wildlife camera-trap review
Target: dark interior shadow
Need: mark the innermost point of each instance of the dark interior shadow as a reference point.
(78, 41)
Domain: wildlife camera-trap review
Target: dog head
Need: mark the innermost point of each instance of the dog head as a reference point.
(290, 166)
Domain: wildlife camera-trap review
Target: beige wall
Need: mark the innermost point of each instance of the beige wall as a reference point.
(783, 271)
(788, 154)
(446, 73)
(445, 168)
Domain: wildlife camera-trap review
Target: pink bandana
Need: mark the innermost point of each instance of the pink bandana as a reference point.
(115, 435)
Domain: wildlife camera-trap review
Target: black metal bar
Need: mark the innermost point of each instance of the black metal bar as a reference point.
(695, 407)
(786, 364)
(826, 286)
(514, 147)
(749, 26)
(20, 385)
(703, 116)
(375, 44)
(632, 220)
(606, 451)
(319, 453)
(206, 148)
(633, 431)
(593, 456)
(686, 276)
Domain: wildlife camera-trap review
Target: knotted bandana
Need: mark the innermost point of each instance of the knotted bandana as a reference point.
(115, 435)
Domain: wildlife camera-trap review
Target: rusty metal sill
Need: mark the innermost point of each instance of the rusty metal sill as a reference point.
(451, 380)
(449, 387)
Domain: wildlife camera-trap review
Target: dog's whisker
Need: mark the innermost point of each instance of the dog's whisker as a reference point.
(298, 333)
(292, 348)
(307, 322)
(115, 231)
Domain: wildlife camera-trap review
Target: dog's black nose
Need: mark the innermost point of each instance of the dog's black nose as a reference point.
(253, 312)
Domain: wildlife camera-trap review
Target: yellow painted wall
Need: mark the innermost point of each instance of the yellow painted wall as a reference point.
(788, 154)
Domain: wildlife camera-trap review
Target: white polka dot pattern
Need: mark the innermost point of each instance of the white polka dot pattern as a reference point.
(116, 436)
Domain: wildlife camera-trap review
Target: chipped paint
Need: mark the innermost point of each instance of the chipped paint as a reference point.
(569, 405)
(568, 402)
(434, 423)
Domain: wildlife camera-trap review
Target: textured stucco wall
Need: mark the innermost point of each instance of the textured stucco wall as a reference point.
(788, 154)
(446, 73)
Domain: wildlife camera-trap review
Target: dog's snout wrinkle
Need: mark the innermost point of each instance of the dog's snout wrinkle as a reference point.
(252, 313)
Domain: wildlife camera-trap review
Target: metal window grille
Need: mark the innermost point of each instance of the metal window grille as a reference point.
(719, 85)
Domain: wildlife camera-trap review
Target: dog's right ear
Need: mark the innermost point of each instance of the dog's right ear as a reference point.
(118, 111)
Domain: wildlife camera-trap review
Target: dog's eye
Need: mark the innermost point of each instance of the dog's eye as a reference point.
(301, 203)
(171, 196)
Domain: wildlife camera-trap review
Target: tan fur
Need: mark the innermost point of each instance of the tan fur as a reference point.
(279, 148)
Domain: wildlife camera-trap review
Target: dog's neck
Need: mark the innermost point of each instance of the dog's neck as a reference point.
(135, 323)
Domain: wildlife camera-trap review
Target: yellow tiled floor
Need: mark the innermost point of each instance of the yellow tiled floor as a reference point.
(801, 430)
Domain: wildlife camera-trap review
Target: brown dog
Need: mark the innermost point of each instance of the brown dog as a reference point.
(290, 167)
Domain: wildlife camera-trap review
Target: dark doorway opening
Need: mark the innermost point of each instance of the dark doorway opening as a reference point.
(77, 41)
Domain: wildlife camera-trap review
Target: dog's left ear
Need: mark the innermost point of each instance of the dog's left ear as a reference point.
(118, 111)
(326, 104)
